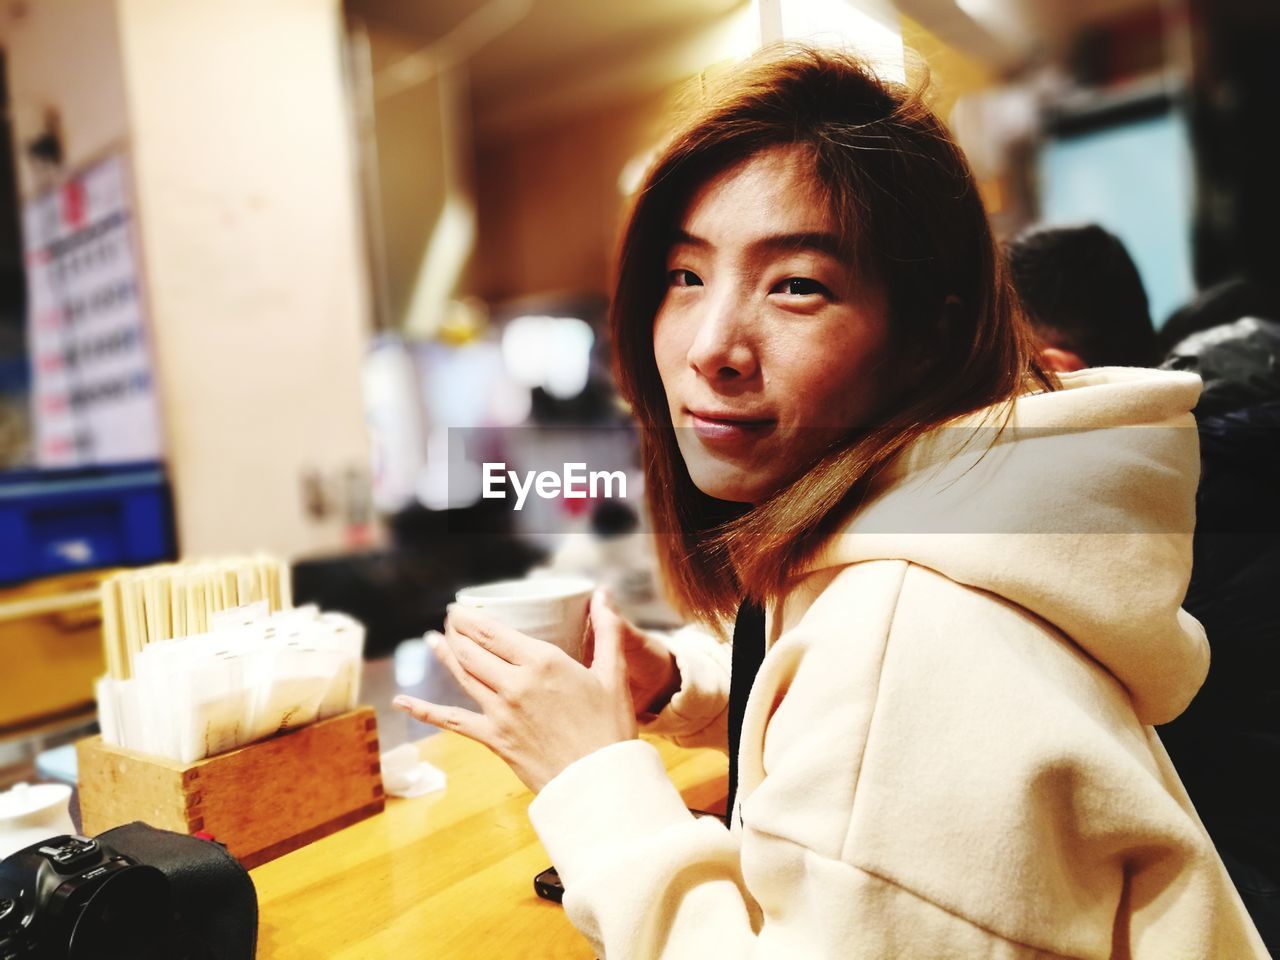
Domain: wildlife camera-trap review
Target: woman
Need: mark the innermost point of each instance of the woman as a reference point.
(970, 575)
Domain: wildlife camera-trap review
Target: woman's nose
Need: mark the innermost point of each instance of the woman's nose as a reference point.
(724, 347)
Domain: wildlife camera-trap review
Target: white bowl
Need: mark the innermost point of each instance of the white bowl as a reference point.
(30, 813)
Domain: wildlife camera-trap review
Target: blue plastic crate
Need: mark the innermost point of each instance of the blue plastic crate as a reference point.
(61, 521)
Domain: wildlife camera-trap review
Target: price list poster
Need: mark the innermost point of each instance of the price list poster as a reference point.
(93, 388)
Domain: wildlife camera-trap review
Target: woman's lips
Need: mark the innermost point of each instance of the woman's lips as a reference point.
(723, 429)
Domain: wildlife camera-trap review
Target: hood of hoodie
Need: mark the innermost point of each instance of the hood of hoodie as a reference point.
(1079, 509)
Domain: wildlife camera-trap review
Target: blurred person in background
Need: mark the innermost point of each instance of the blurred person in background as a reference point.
(1083, 295)
(940, 738)
(1226, 746)
(1224, 302)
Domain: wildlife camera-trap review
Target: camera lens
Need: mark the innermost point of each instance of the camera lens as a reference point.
(127, 918)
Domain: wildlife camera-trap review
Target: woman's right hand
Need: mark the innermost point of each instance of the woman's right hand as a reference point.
(652, 674)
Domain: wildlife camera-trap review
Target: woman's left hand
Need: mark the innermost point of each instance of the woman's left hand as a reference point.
(540, 709)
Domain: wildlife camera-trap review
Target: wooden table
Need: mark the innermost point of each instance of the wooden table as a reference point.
(445, 875)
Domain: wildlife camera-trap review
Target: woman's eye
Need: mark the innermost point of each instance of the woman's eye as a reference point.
(683, 278)
(801, 287)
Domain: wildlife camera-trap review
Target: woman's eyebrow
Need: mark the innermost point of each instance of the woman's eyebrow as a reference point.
(683, 238)
(819, 241)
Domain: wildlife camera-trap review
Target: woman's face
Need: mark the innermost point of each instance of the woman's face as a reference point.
(769, 345)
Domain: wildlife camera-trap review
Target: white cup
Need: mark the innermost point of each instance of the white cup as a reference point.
(553, 609)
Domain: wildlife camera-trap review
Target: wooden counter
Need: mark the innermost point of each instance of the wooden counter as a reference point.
(445, 875)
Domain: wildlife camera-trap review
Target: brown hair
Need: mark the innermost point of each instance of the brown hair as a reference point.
(907, 205)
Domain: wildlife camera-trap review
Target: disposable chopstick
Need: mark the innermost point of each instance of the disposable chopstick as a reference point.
(135, 627)
(151, 608)
(176, 583)
(177, 600)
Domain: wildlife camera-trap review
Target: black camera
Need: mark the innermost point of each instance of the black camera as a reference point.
(133, 893)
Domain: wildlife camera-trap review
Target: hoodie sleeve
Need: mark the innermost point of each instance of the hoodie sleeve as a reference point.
(645, 879)
(697, 715)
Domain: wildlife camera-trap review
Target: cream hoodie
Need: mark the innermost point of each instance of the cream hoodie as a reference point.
(947, 752)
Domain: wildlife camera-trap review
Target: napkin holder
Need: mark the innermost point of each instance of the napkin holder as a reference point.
(261, 801)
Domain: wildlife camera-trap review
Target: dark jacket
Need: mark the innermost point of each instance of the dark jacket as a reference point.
(1226, 746)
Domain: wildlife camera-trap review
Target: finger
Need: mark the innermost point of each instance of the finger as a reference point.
(466, 722)
(494, 672)
(505, 643)
(604, 610)
(604, 596)
(603, 616)
(480, 693)
(606, 630)
(588, 643)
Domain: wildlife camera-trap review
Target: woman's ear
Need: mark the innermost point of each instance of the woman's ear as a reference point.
(1061, 360)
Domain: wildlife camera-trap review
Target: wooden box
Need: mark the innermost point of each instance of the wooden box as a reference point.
(262, 800)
